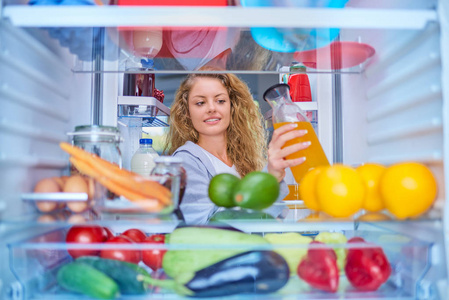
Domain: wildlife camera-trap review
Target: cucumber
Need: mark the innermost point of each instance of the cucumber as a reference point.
(84, 279)
(123, 273)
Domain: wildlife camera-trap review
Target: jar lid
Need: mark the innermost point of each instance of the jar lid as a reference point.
(146, 141)
(168, 159)
(95, 131)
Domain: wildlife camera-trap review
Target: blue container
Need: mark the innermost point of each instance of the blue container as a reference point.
(292, 40)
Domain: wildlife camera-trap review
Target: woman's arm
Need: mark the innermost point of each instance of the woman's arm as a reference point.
(196, 205)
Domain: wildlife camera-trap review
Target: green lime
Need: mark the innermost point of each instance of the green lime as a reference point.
(221, 189)
(257, 190)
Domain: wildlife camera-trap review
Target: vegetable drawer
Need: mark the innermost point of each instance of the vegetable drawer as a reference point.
(210, 262)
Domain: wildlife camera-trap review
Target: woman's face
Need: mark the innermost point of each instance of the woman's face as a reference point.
(209, 106)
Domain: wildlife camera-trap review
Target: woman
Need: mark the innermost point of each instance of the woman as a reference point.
(216, 127)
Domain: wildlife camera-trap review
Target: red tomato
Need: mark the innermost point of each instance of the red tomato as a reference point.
(153, 257)
(109, 233)
(136, 235)
(85, 234)
(129, 255)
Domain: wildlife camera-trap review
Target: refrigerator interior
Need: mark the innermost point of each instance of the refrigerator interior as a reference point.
(58, 70)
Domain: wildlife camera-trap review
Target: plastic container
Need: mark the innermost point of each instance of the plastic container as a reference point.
(142, 161)
(35, 262)
(284, 112)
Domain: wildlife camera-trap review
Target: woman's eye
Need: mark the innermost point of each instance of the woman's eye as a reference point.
(200, 103)
(221, 101)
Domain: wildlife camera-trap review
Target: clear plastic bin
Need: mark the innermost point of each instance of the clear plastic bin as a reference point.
(36, 261)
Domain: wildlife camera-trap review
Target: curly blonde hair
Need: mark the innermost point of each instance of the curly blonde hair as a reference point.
(246, 135)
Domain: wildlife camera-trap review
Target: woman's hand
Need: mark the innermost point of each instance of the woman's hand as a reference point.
(276, 155)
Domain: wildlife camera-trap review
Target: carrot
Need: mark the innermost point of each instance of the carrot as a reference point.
(151, 205)
(130, 180)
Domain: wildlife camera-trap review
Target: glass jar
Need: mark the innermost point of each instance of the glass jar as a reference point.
(103, 141)
(172, 166)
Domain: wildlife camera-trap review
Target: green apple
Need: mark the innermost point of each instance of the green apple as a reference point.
(291, 253)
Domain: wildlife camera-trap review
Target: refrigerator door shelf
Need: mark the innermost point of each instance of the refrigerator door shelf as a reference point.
(136, 111)
(58, 197)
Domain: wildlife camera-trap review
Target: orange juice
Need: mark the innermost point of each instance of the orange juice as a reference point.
(292, 196)
(293, 192)
(314, 153)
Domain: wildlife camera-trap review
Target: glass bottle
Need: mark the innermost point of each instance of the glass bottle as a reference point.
(284, 112)
(142, 161)
(172, 166)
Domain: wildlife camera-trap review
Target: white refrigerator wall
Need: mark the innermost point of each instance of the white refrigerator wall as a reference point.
(393, 111)
(41, 100)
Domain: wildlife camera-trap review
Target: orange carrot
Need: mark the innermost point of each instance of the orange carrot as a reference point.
(151, 205)
(130, 180)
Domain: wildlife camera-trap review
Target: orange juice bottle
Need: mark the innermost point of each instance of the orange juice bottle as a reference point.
(284, 112)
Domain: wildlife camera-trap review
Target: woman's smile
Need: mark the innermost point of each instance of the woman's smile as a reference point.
(212, 121)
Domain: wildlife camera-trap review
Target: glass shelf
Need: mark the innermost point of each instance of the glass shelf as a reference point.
(232, 39)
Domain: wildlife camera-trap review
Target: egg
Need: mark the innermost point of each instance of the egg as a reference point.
(61, 182)
(76, 219)
(47, 185)
(77, 184)
(91, 185)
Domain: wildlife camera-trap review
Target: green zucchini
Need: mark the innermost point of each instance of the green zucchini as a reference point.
(84, 279)
(123, 273)
(183, 263)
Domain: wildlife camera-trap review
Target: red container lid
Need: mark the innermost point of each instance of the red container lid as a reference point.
(174, 2)
(300, 88)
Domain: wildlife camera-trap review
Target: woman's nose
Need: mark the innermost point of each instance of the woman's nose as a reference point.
(211, 107)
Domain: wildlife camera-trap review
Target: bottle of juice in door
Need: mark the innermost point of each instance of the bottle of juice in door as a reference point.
(284, 112)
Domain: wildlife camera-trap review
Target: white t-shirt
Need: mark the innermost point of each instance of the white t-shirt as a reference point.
(221, 167)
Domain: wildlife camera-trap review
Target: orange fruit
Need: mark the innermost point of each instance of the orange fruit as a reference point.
(371, 174)
(340, 191)
(307, 188)
(408, 189)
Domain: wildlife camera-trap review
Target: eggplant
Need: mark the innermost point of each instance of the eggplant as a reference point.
(251, 272)
(215, 225)
(254, 272)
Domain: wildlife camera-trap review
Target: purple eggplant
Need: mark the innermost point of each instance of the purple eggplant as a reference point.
(255, 272)
(215, 225)
(252, 272)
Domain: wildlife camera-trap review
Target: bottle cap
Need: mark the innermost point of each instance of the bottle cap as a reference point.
(146, 141)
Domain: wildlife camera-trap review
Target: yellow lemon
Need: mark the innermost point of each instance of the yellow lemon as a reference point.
(371, 174)
(408, 189)
(340, 191)
(307, 188)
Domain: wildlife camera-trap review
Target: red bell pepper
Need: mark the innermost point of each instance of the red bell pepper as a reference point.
(366, 268)
(319, 268)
